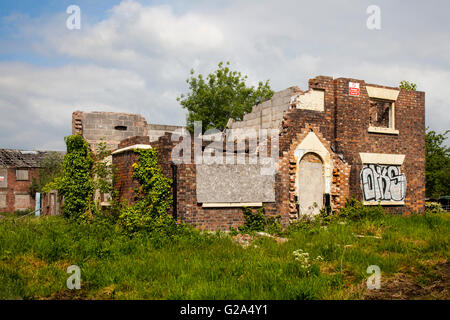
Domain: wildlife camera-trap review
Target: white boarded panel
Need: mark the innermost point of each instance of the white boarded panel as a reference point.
(234, 183)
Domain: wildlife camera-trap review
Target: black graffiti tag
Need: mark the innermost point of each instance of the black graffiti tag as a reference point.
(385, 183)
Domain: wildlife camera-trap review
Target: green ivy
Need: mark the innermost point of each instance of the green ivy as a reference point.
(153, 197)
(76, 184)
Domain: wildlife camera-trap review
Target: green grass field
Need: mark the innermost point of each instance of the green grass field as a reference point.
(412, 253)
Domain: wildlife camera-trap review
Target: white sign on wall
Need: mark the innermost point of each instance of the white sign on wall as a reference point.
(353, 89)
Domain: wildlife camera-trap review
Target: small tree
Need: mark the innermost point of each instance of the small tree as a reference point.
(408, 85)
(437, 164)
(221, 96)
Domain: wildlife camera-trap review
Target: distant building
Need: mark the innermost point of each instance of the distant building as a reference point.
(18, 168)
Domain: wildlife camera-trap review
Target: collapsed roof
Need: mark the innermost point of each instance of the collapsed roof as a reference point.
(22, 158)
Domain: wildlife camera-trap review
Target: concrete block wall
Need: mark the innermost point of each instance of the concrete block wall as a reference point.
(114, 127)
(158, 130)
(109, 127)
(268, 114)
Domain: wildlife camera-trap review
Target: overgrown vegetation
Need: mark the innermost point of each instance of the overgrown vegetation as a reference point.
(51, 167)
(325, 260)
(437, 164)
(142, 253)
(256, 220)
(408, 85)
(87, 175)
(76, 184)
(153, 198)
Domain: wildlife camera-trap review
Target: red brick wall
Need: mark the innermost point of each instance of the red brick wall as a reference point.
(125, 184)
(15, 186)
(122, 163)
(352, 137)
(342, 128)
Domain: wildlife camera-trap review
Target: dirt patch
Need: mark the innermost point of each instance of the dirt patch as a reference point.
(408, 287)
(68, 295)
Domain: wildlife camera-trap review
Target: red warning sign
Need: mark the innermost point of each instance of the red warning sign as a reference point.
(353, 89)
(2, 179)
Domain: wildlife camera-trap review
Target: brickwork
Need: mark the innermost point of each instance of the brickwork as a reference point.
(352, 138)
(17, 194)
(122, 162)
(208, 218)
(340, 125)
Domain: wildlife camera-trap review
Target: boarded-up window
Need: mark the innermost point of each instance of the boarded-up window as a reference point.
(234, 183)
(2, 200)
(3, 178)
(21, 175)
(22, 201)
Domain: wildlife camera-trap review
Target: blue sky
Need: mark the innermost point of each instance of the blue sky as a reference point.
(134, 56)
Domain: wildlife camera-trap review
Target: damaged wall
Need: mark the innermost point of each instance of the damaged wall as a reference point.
(329, 126)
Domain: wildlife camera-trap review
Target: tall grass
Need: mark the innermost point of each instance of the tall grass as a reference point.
(35, 253)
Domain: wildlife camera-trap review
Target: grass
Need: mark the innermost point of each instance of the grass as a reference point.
(35, 254)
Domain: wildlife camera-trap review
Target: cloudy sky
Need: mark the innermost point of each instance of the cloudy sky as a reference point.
(134, 56)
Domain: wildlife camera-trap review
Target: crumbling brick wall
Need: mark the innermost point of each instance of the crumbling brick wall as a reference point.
(341, 125)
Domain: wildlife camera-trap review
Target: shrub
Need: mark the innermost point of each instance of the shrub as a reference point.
(257, 221)
(355, 210)
(433, 207)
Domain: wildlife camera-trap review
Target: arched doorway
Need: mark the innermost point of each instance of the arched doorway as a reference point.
(311, 184)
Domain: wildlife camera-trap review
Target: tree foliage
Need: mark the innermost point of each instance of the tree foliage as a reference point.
(437, 167)
(220, 96)
(51, 167)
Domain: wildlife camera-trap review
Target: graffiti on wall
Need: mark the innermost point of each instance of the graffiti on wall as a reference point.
(383, 183)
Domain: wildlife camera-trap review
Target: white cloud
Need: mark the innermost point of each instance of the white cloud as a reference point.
(137, 58)
(44, 98)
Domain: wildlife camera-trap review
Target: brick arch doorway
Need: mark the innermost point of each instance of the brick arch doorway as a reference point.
(310, 184)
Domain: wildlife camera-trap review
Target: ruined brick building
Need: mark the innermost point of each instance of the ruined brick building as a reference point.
(340, 138)
(18, 168)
